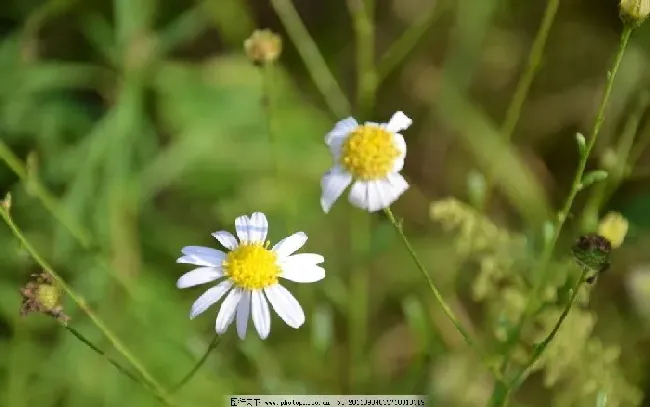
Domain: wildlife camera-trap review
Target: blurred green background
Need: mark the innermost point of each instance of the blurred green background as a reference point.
(140, 123)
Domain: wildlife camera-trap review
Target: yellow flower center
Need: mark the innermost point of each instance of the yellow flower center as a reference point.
(252, 266)
(369, 153)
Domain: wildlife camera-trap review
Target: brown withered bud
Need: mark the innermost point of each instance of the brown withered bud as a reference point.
(41, 295)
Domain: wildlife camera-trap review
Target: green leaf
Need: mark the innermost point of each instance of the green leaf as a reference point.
(602, 399)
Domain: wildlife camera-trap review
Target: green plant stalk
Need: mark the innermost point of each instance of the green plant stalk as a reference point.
(523, 86)
(358, 298)
(362, 16)
(268, 104)
(50, 203)
(437, 295)
(539, 349)
(398, 51)
(213, 345)
(47, 199)
(103, 354)
(314, 61)
(83, 305)
(361, 224)
(603, 190)
(542, 264)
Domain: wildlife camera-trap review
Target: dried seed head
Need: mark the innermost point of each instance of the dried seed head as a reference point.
(41, 295)
(634, 11)
(263, 47)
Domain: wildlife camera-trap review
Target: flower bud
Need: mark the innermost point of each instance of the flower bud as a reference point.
(263, 47)
(634, 11)
(613, 227)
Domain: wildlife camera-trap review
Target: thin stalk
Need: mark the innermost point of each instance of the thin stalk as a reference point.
(542, 264)
(364, 30)
(311, 56)
(126, 372)
(50, 203)
(360, 225)
(523, 86)
(47, 199)
(213, 345)
(436, 293)
(603, 190)
(539, 349)
(268, 104)
(83, 305)
(358, 298)
(405, 44)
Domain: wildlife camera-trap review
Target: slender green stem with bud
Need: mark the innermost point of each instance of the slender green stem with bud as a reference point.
(501, 395)
(437, 295)
(213, 345)
(151, 382)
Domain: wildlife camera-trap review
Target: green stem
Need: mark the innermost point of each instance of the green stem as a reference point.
(314, 61)
(362, 16)
(268, 106)
(436, 293)
(523, 86)
(49, 202)
(361, 225)
(213, 344)
(542, 265)
(103, 354)
(83, 305)
(405, 44)
(603, 190)
(539, 349)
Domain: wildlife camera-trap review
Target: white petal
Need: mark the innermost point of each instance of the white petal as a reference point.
(258, 226)
(341, 130)
(378, 197)
(198, 276)
(261, 314)
(226, 239)
(391, 188)
(359, 195)
(202, 256)
(302, 268)
(306, 259)
(285, 305)
(241, 227)
(333, 184)
(227, 312)
(289, 245)
(196, 261)
(209, 297)
(400, 144)
(243, 312)
(398, 122)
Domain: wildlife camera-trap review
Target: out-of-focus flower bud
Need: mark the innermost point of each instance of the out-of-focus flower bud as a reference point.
(263, 46)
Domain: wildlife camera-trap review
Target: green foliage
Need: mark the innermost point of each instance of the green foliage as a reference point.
(132, 128)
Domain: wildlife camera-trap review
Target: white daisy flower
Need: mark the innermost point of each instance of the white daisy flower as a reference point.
(371, 155)
(248, 273)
